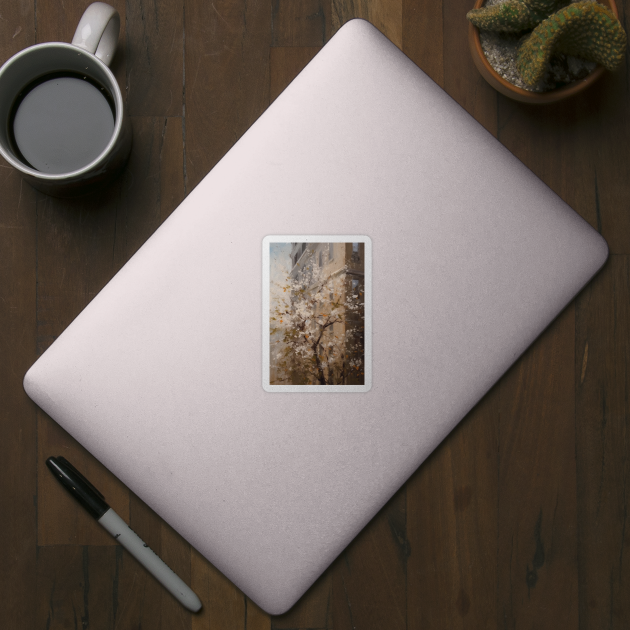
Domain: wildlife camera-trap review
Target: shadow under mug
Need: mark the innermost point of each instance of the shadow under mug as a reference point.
(88, 56)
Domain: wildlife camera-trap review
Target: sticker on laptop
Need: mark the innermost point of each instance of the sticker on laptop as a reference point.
(317, 317)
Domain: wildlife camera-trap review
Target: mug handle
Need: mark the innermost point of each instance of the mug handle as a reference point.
(98, 30)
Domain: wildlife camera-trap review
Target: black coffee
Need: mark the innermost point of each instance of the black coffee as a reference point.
(62, 122)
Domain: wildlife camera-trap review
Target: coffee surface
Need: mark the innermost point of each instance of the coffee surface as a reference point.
(62, 124)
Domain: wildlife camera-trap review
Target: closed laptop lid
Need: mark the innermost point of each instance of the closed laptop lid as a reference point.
(166, 377)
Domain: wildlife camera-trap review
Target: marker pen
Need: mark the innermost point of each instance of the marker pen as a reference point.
(94, 502)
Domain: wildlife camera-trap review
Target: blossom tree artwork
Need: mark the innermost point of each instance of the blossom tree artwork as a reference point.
(317, 314)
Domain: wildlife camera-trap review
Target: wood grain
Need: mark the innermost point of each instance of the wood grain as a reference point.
(18, 416)
(609, 134)
(300, 22)
(602, 380)
(154, 57)
(76, 587)
(422, 36)
(537, 510)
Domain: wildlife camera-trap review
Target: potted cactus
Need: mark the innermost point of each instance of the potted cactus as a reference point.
(557, 49)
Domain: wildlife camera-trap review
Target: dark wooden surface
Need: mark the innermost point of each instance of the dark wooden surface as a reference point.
(518, 520)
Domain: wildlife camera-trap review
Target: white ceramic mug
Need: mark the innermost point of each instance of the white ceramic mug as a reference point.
(88, 57)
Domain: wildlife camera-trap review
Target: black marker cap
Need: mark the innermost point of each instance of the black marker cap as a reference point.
(78, 486)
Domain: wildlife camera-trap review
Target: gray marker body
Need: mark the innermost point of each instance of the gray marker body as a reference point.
(149, 559)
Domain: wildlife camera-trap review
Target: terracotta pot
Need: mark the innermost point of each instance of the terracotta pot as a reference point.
(518, 94)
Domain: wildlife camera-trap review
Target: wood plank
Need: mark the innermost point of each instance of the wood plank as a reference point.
(285, 64)
(386, 15)
(226, 78)
(461, 78)
(603, 469)
(76, 587)
(537, 537)
(608, 126)
(369, 577)
(423, 36)
(18, 415)
(18, 421)
(154, 57)
(452, 527)
(171, 157)
(300, 22)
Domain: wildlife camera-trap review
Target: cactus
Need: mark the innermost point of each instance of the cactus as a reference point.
(584, 29)
(513, 16)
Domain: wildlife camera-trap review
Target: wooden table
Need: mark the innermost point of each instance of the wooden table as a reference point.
(518, 520)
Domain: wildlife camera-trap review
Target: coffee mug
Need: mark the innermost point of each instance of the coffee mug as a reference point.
(62, 115)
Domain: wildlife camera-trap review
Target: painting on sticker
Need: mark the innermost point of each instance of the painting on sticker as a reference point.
(317, 314)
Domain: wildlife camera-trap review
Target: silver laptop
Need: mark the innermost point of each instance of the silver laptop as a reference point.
(317, 315)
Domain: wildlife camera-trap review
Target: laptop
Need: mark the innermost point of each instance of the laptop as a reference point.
(316, 316)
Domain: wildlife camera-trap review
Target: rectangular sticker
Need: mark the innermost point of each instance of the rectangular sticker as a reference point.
(317, 316)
